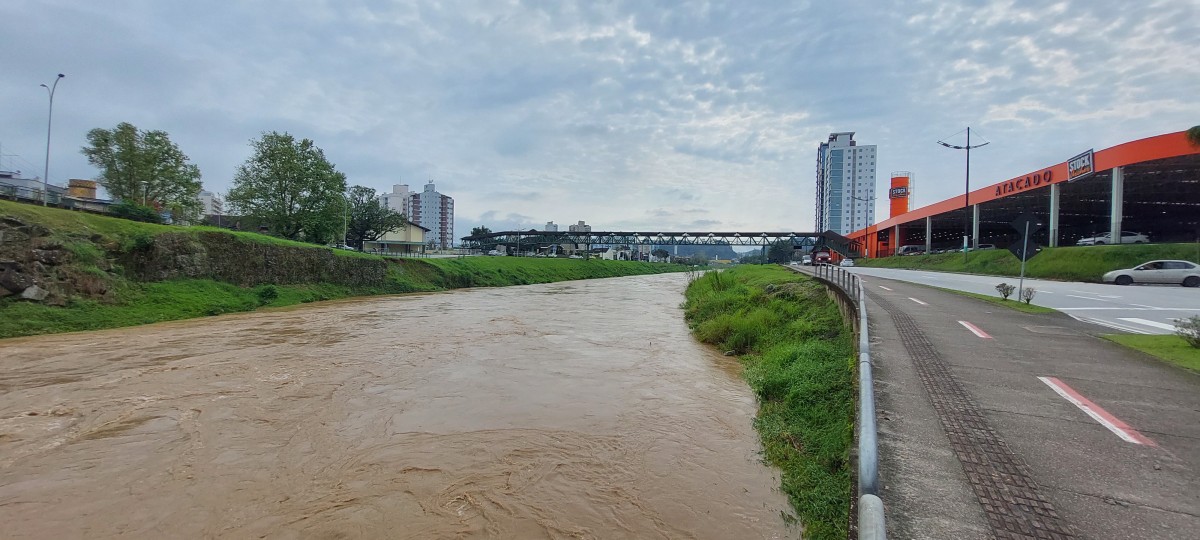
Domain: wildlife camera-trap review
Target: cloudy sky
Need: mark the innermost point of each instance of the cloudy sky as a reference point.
(630, 115)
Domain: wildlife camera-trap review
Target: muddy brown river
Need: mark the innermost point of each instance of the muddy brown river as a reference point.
(571, 410)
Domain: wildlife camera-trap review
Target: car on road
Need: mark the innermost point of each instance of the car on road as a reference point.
(1106, 238)
(806, 260)
(1170, 272)
(847, 263)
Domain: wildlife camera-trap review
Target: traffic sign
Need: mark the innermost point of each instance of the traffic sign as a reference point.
(1023, 250)
(1034, 222)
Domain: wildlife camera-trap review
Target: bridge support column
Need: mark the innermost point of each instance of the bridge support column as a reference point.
(1118, 203)
(1055, 195)
(974, 226)
(928, 234)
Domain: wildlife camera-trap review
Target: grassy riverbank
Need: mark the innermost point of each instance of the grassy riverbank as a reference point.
(104, 272)
(799, 359)
(1063, 263)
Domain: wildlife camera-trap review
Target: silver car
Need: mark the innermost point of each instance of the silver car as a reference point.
(1171, 272)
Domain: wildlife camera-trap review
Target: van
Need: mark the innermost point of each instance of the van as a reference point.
(910, 250)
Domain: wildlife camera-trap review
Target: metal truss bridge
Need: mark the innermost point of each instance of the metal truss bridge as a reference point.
(835, 241)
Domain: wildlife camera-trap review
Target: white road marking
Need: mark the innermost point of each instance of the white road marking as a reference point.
(1115, 425)
(884, 288)
(1154, 324)
(917, 301)
(1143, 306)
(1088, 298)
(975, 330)
(1110, 324)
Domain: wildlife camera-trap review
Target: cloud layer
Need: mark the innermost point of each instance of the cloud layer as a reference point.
(630, 115)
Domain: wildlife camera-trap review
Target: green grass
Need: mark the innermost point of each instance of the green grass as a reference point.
(1169, 348)
(799, 358)
(1010, 303)
(1063, 263)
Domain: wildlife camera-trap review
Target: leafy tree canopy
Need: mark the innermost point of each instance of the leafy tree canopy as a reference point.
(137, 166)
(1193, 135)
(290, 187)
(476, 231)
(780, 251)
(369, 218)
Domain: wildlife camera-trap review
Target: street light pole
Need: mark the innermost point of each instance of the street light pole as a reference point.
(967, 192)
(49, 118)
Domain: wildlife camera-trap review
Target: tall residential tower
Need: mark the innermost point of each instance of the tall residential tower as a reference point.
(845, 184)
(435, 212)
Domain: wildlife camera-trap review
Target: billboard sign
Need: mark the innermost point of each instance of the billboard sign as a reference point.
(1081, 166)
(899, 192)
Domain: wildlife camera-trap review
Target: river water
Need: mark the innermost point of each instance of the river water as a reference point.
(570, 410)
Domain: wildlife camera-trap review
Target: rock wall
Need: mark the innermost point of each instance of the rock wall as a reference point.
(225, 257)
(37, 267)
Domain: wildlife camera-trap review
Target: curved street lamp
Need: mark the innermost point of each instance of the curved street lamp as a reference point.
(967, 193)
(49, 118)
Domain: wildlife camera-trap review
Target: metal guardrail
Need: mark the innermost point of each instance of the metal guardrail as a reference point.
(871, 523)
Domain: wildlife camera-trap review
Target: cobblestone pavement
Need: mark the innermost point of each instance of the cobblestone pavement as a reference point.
(1014, 506)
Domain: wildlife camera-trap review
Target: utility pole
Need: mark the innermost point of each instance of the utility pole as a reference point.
(967, 192)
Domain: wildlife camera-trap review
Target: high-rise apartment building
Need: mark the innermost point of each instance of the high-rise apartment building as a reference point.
(399, 200)
(435, 212)
(845, 184)
(212, 203)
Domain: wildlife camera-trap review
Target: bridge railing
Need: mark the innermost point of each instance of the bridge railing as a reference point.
(871, 523)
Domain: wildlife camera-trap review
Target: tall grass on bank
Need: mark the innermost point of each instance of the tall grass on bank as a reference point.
(1082, 263)
(799, 358)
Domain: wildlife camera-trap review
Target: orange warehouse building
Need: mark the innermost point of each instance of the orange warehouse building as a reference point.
(1150, 186)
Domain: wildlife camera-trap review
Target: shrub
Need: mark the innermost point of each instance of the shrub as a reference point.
(1189, 330)
(267, 294)
(135, 212)
(1005, 290)
(1027, 294)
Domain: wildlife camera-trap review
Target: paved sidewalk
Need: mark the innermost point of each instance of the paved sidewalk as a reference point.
(974, 442)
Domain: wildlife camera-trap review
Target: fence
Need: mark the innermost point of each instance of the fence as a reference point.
(871, 523)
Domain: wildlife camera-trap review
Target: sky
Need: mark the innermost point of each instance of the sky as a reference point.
(638, 115)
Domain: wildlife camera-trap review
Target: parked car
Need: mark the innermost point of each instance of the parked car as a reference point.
(846, 263)
(496, 253)
(575, 257)
(910, 250)
(986, 246)
(1182, 272)
(1106, 238)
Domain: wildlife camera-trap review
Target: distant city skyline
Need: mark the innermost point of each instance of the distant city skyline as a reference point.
(627, 115)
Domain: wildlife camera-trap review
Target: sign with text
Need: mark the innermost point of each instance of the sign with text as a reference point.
(1081, 166)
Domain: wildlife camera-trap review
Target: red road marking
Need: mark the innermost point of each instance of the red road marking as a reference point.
(975, 330)
(1114, 424)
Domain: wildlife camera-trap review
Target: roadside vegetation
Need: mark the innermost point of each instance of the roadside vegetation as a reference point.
(1008, 303)
(1063, 263)
(93, 248)
(798, 354)
(1172, 349)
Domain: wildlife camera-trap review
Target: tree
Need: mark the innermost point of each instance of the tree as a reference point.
(145, 168)
(780, 251)
(369, 219)
(290, 187)
(661, 254)
(1193, 135)
(480, 230)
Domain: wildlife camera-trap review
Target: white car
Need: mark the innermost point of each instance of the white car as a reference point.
(846, 262)
(806, 260)
(1172, 272)
(1106, 238)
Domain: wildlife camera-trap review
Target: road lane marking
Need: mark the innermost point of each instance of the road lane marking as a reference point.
(1144, 305)
(884, 288)
(975, 330)
(917, 301)
(1114, 424)
(1110, 324)
(1089, 298)
(1154, 324)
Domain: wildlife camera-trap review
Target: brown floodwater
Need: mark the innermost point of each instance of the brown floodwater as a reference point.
(569, 410)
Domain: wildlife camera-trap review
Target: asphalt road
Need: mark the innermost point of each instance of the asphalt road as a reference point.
(1138, 309)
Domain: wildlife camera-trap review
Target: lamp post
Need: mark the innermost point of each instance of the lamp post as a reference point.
(967, 192)
(49, 117)
(145, 190)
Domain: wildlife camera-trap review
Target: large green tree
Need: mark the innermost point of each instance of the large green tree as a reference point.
(1193, 135)
(145, 168)
(369, 218)
(780, 251)
(290, 187)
